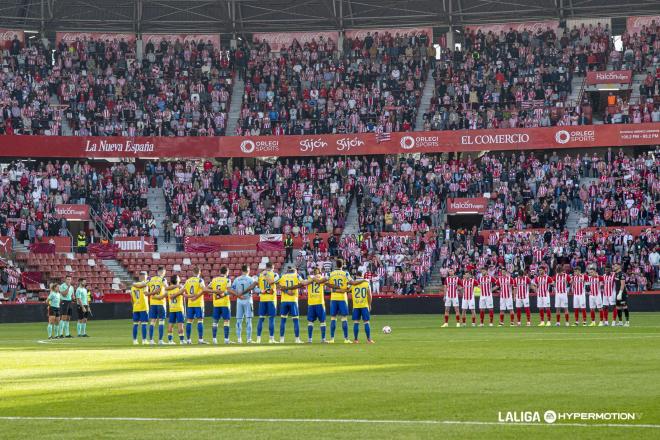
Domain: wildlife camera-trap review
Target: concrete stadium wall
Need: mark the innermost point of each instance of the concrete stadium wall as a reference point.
(17, 313)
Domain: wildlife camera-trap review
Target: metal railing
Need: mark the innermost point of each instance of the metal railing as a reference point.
(99, 226)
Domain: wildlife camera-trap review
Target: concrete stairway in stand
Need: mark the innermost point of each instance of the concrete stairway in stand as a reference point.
(435, 285)
(425, 104)
(157, 206)
(572, 221)
(66, 129)
(352, 225)
(638, 80)
(576, 87)
(20, 247)
(235, 106)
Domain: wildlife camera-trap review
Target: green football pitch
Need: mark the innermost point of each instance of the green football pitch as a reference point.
(420, 381)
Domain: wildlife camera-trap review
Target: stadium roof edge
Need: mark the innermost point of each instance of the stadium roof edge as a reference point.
(248, 16)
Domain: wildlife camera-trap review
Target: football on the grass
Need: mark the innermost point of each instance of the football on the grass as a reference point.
(387, 329)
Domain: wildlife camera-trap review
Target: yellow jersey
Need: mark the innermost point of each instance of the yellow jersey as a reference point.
(288, 280)
(268, 280)
(139, 299)
(176, 304)
(221, 284)
(360, 295)
(159, 284)
(193, 286)
(338, 279)
(315, 294)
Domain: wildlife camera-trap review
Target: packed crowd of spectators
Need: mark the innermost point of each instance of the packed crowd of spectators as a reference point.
(524, 190)
(625, 111)
(392, 263)
(528, 250)
(27, 82)
(401, 194)
(640, 50)
(626, 192)
(375, 84)
(179, 89)
(529, 197)
(510, 79)
(514, 79)
(29, 192)
(288, 196)
(529, 190)
(407, 194)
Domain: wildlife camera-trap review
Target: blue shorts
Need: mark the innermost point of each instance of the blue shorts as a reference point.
(176, 318)
(156, 312)
(195, 313)
(338, 308)
(223, 313)
(267, 308)
(362, 313)
(244, 309)
(316, 311)
(140, 317)
(289, 308)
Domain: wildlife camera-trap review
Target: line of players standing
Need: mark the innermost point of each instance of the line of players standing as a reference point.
(604, 293)
(155, 299)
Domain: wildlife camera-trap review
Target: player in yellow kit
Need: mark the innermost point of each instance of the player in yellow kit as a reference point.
(140, 302)
(361, 297)
(315, 303)
(267, 289)
(339, 281)
(194, 291)
(288, 284)
(175, 299)
(221, 291)
(157, 303)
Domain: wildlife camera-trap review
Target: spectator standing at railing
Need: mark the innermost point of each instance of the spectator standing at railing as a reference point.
(288, 248)
(4, 279)
(654, 261)
(81, 242)
(13, 280)
(179, 233)
(167, 230)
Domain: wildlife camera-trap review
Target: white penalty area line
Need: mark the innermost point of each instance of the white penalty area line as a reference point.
(342, 421)
(46, 341)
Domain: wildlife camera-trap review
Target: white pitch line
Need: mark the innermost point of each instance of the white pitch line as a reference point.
(497, 338)
(45, 341)
(346, 421)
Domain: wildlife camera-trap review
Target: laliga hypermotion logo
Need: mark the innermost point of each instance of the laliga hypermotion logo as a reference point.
(407, 142)
(562, 137)
(247, 146)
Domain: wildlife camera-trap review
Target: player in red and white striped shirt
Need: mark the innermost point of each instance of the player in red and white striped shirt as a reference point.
(505, 287)
(562, 283)
(451, 297)
(486, 283)
(609, 295)
(468, 283)
(595, 296)
(578, 288)
(522, 284)
(542, 285)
